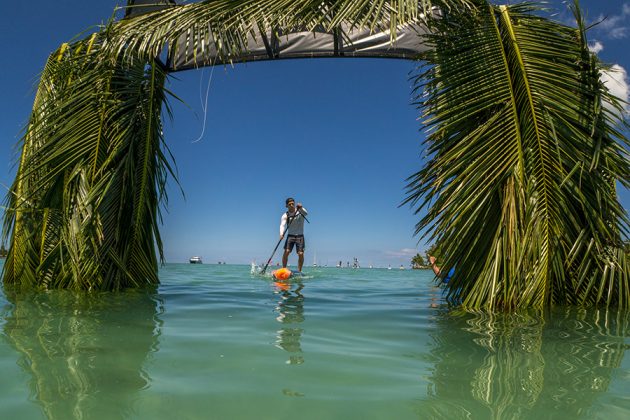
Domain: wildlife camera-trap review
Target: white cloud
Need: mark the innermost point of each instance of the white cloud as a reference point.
(402, 253)
(615, 26)
(596, 47)
(618, 32)
(616, 80)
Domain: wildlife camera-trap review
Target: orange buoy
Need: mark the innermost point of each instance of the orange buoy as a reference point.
(282, 273)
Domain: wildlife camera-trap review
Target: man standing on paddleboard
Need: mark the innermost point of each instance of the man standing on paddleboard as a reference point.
(292, 224)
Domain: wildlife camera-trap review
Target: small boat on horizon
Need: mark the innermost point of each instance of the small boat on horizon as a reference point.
(195, 260)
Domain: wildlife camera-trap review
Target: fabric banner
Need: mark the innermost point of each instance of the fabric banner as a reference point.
(345, 42)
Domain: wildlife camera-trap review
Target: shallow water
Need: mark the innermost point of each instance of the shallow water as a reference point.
(215, 342)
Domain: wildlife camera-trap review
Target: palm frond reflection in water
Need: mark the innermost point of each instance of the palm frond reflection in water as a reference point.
(512, 365)
(85, 352)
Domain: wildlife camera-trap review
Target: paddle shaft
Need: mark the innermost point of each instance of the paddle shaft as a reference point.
(278, 244)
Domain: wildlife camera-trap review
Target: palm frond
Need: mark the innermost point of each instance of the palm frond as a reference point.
(226, 24)
(514, 195)
(85, 204)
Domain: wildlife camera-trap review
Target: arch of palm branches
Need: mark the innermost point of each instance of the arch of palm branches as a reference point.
(391, 38)
(519, 187)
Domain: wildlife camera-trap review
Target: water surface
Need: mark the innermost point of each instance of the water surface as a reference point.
(215, 342)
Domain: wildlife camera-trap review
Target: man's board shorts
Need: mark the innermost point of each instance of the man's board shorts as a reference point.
(297, 240)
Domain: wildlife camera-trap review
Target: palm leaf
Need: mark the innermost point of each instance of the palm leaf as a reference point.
(512, 189)
(93, 166)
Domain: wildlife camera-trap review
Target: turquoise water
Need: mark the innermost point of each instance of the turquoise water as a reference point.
(215, 342)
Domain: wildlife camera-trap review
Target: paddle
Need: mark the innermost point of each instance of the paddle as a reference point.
(278, 244)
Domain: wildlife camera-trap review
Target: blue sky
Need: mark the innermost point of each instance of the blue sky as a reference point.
(339, 135)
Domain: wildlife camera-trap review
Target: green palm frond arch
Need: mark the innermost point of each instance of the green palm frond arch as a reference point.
(524, 142)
